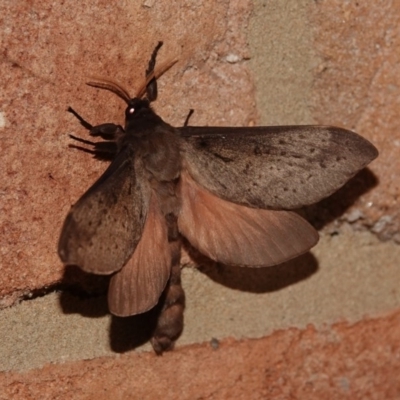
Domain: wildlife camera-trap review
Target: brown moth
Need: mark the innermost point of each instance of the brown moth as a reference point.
(228, 191)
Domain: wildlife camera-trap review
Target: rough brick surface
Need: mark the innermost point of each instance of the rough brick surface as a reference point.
(357, 85)
(358, 361)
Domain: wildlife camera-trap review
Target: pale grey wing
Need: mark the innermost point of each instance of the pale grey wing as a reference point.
(284, 167)
(103, 228)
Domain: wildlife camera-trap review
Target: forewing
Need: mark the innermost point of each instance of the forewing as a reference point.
(103, 228)
(137, 287)
(238, 235)
(283, 167)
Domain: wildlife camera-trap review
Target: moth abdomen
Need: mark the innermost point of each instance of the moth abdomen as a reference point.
(172, 302)
(170, 321)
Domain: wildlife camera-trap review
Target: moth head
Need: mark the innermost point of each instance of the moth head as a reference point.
(136, 107)
(140, 104)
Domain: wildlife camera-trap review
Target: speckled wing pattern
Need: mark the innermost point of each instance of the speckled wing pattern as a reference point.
(103, 228)
(284, 167)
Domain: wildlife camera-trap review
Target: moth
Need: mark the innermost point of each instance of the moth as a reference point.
(228, 191)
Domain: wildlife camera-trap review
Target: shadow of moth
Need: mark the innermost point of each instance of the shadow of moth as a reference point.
(228, 191)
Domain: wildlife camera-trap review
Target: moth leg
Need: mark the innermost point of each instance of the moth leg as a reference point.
(170, 320)
(151, 89)
(186, 123)
(107, 131)
(152, 62)
(83, 122)
(78, 139)
(102, 150)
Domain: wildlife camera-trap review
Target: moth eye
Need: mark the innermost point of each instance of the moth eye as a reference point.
(131, 110)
